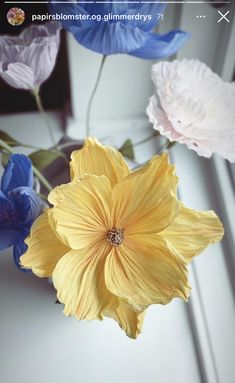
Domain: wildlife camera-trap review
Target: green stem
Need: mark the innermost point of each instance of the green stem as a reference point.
(41, 178)
(37, 173)
(29, 146)
(149, 138)
(88, 114)
(36, 94)
(4, 145)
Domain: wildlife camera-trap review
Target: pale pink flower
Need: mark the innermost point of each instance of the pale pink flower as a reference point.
(194, 106)
(27, 60)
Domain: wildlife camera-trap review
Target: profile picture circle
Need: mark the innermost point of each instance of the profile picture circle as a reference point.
(15, 16)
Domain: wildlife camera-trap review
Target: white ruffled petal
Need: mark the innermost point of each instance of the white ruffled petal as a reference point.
(197, 107)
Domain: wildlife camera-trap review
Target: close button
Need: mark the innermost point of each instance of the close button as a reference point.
(223, 17)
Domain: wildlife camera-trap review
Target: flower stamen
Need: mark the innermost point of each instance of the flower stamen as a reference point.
(115, 236)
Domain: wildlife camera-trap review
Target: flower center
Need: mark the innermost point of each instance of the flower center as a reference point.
(115, 236)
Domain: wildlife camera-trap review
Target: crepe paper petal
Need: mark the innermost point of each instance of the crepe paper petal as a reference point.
(44, 248)
(27, 60)
(36, 33)
(8, 216)
(19, 248)
(8, 238)
(189, 112)
(19, 205)
(203, 228)
(128, 238)
(102, 36)
(41, 60)
(111, 38)
(9, 227)
(113, 28)
(158, 116)
(161, 46)
(79, 280)
(81, 213)
(27, 204)
(125, 8)
(144, 275)
(145, 195)
(102, 161)
(19, 76)
(18, 173)
(129, 320)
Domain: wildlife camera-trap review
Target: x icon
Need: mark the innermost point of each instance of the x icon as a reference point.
(223, 16)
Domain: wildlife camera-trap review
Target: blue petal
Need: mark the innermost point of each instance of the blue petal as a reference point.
(88, 9)
(110, 38)
(130, 8)
(121, 36)
(9, 220)
(160, 46)
(110, 10)
(8, 238)
(19, 249)
(18, 172)
(8, 215)
(27, 204)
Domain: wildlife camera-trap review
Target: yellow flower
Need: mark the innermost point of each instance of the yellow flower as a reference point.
(117, 241)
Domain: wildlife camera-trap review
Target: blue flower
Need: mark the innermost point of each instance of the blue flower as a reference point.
(111, 28)
(19, 205)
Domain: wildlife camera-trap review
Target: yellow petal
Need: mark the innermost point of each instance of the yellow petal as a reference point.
(44, 248)
(81, 213)
(128, 319)
(79, 280)
(99, 160)
(144, 202)
(192, 231)
(146, 273)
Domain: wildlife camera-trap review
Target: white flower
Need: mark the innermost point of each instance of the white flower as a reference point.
(193, 106)
(27, 60)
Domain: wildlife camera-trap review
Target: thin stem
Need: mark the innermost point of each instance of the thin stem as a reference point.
(6, 146)
(36, 94)
(88, 114)
(37, 173)
(41, 178)
(149, 138)
(29, 146)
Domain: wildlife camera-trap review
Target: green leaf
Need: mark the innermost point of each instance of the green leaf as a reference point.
(5, 159)
(43, 158)
(127, 149)
(8, 139)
